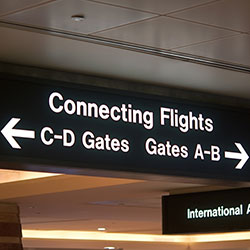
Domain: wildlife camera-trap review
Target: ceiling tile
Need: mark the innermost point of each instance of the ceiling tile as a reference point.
(7, 6)
(231, 14)
(156, 6)
(57, 53)
(164, 32)
(232, 49)
(57, 15)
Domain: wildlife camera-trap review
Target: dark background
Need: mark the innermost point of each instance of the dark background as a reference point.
(174, 211)
(28, 100)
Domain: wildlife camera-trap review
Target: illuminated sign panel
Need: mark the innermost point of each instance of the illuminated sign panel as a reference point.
(100, 129)
(207, 212)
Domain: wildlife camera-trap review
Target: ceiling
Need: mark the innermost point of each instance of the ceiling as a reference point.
(85, 203)
(198, 45)
(134, 40)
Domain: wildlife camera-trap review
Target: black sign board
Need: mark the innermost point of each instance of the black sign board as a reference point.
(207, 212)
(100, 129)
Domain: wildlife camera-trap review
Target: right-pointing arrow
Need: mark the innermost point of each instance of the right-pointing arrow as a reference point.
(242, 156)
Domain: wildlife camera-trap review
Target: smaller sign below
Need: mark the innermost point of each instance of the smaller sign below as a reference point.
(206, 212)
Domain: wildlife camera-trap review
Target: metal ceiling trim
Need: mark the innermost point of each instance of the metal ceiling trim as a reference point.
(170, 54)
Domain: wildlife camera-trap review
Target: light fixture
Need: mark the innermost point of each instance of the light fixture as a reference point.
(109, 248)
(77, 18)
(86, 235)
(101, 229)
(7, 176)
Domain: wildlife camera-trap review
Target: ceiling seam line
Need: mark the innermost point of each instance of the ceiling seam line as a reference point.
(124, 7)
(126, 24)
(207, 41)
(192, 7)
(208, 25)
(29, 7)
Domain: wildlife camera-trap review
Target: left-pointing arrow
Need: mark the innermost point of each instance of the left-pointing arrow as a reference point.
(9, 132)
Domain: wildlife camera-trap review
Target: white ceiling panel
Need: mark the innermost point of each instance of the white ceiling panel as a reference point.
(232, 49)
(57, 15)
(229, 14)
(156, 6)
(164, 32)
(8, 6)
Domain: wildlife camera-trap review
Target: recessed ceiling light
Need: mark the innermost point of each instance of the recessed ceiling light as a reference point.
(109, 248)
(101, 229)
(77, 18)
